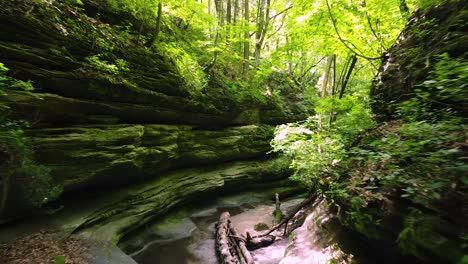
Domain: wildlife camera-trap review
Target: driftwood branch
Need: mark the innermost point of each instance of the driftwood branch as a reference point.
(285, 220)
(232, 248)
(259, 242)
(223, 242)
(241, 243)
(229, 245)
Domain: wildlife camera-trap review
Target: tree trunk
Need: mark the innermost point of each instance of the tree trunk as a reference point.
(241, 244)
(333, 80)
(262, 27)
(326, 76)
(155, 36)
(229, 12)
(246, 40)
(277, 214)
(223, 242)
(236, 11)
(220, 19)
(219, 12)
(348, 74)
(215, 54)
(286, 219)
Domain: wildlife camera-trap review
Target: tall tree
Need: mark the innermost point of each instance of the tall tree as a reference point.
(326, 78)
(245, 68)
(263, 19)
(229, 12)
(220, 23)
(348, 70)
(155, 36)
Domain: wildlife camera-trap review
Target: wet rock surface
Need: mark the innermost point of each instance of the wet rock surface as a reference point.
(197, 245)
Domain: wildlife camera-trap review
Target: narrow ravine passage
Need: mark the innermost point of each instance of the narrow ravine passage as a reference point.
(187, 235)
(138, 131)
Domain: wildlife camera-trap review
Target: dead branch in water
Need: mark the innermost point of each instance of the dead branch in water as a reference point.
(229, 245)
(285, 220)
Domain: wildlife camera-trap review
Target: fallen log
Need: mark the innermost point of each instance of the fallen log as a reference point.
(223, 243)
(286, 219)
(241, 243)
(259, 242)
(230, 246)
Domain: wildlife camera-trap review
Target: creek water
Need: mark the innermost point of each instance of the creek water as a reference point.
(187, 236)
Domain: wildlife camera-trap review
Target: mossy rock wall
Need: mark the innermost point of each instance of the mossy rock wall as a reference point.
(439, 235)
(440, 29)
(97, 126)
(119, 154)
(147, 201)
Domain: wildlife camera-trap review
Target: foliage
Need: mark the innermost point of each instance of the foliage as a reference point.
(261, 227)
(431, 139)
(318, 146)
(17, 154)
(420, 158)
(12, 83)
(203, 43)
(201, 33)
(244, 94)
(338, 151)
(442, 95)
(119, 66)
(187, 68)
(74, 2)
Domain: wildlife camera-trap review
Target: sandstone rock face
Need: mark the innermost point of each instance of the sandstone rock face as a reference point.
(439, 30)
(52, 110)
(111, 155)
(147, 201)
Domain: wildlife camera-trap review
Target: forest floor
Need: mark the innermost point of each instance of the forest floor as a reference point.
(46, 248)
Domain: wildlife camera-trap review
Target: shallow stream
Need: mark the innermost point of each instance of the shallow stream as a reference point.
(187, 235)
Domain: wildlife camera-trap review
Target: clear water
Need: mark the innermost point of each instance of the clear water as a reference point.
(188, 238)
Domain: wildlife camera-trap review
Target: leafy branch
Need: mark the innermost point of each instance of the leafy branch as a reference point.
(344, 41)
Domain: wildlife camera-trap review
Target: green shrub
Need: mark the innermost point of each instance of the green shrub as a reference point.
(261, 227)
(17, 155)
(420, 158)
(118, 67)
(192, 73)
(317, 145)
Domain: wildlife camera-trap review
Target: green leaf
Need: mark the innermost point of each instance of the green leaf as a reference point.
(59, 260)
